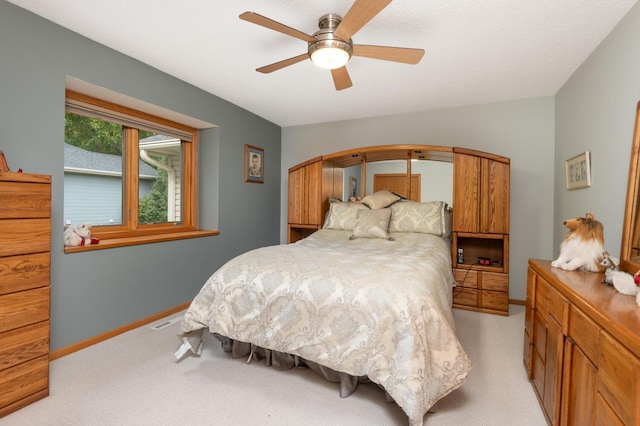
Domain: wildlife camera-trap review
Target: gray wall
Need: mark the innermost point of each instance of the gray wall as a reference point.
(595, 111)
(522, 130)
(94, 292)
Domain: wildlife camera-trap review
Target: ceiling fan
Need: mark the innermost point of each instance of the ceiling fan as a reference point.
(331, 47)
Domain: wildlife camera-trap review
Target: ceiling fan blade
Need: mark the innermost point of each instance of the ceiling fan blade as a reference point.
(396, 54)
(285, 63)
(276, 26)
(360, 13)
(341, 78)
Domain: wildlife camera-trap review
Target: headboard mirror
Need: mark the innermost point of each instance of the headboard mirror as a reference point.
(432, 164)
(630, 250)
(434, 178)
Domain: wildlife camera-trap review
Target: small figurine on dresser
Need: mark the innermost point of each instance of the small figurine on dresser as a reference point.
(611, 265)
(79, 235)
(583, 246)
(626, 283)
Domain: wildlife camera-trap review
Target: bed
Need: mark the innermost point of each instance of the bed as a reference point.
(368, 297)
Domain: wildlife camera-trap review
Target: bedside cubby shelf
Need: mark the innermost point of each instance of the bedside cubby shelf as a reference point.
(491, 246)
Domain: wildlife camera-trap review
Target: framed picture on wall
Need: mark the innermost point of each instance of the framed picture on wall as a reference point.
(577, 171)
(253, 164)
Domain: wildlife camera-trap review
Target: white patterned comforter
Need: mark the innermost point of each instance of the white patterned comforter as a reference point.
(366, 307)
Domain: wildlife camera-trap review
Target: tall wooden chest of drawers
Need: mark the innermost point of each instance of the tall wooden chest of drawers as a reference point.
(25, 245)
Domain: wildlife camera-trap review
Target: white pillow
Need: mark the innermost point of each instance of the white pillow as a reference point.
(380, 199)
(372, 224)
(431, 217)
(343, 215)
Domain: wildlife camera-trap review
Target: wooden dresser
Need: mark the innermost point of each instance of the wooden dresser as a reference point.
(25, 242)
(581, 348)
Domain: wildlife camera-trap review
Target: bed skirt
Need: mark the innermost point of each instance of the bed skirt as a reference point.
(281, 361)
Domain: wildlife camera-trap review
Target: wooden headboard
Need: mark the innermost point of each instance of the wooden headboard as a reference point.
(481, 197)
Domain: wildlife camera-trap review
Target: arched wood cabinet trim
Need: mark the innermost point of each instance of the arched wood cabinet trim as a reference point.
(480, 224)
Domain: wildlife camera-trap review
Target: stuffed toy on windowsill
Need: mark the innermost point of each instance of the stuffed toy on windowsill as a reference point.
(79, 235)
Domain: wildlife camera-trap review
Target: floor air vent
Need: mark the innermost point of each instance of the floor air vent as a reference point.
(166, 323)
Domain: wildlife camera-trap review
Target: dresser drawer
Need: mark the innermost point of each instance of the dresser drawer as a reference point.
(605, 414)
(526, 352)
(23, 344)
(542, 295)
(24, 381)
(585, 333)
(540, 335)
(531, 285)
(497, 300)
(18, 273)
(559, 309)
(537, 372)
(24, 236)
(465, 296)
(495, 282)
(23, 308)
(25, 200)
(528, 317)
(466, 278)
(618, 380)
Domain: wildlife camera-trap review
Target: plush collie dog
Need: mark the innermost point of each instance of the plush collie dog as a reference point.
(583, 246)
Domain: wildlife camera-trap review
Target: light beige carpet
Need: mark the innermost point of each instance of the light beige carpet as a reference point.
(133, 379)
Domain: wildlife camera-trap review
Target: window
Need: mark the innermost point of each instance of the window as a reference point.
(131, 175)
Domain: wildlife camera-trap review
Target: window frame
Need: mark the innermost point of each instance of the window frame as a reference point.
(130, 232)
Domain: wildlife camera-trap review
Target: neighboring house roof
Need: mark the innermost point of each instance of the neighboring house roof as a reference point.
(80, 160)
(159, 138)
(161, 145)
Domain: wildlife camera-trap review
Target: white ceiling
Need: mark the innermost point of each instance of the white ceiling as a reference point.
(477, 51)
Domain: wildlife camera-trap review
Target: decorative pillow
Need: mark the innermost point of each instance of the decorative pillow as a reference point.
(431, 217)
(380, 199)
(372, 224)
(343, 215)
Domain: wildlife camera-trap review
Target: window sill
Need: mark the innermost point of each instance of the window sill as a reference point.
(137, 240)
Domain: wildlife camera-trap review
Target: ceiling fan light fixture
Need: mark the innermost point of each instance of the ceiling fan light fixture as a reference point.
(331, 47)
(329, 52)
(330, 57)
